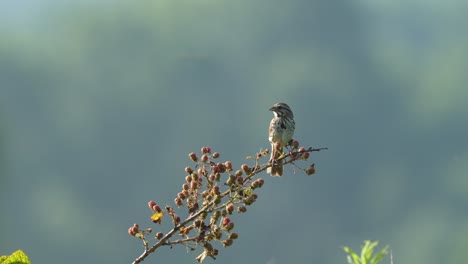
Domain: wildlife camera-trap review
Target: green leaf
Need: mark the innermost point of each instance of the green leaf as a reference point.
(378, 257)
(18, 257)
(353, 255)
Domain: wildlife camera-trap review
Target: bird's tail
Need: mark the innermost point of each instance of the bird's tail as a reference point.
(277, 165)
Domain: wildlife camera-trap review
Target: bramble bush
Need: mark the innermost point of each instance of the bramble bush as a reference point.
(211, 193)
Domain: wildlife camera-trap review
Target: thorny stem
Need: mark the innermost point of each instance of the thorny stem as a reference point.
(211, 206)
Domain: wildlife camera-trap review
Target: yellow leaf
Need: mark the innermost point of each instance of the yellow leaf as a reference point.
(157, 217)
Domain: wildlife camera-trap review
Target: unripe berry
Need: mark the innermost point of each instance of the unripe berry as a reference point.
(159, 235)
(239, 179)
(225, 221)
(151, 204)
(193, 157)
(230, 208)
(185, 186)
(204, 158)
(188, 178)
(233, 236)
(295, 144)
(301, 149)
(178, 201)
(305, 155)
(228, 165)
(206, 150)
(188, 170)
(194, 185)
(212, 178)
(215, 189)
(311, 170)
(238, 173)
(215, 155)
(246, 168)
(241, 209)
(194, 176)
(181, 195)
(156, 208)
(221, 167)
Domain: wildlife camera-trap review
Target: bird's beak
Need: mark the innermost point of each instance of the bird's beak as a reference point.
(272, 109)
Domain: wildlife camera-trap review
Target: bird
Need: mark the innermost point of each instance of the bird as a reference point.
(280, 133)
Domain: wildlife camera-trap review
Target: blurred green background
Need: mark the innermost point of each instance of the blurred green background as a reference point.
(100, 103)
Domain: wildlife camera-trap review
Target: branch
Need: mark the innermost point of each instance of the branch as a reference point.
(203, 187)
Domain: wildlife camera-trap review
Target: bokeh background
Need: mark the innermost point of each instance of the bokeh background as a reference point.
(101, 101)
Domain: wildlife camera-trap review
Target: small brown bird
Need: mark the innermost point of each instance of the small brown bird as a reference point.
(280, 134)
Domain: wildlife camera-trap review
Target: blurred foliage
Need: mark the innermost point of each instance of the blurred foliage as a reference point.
(367, 255)
(100, 100)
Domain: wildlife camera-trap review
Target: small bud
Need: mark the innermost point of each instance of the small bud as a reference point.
(295, 144)
(194, 185)
(241, 209)
(238, 173)
(305, 155)
(188, 170)
(301, 149)
(218, 235)
(178, 202)
(217, 176)
(205, 193)
(203, 215)
(233, 236)
(159, 235)
(227, 242)
(188, 178)
(231, 179)
(230, 208)
(149, 230)
(185, 186)
(229, 226)
(181, 195)
(217, 199)
(216, 214)
(197, 223)
(228, 165)
(151, 204)
(194, 176)
(193, 157)
(215, 155)
(204, 158)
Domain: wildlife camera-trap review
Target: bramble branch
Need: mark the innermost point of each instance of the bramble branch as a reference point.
(211, 192)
